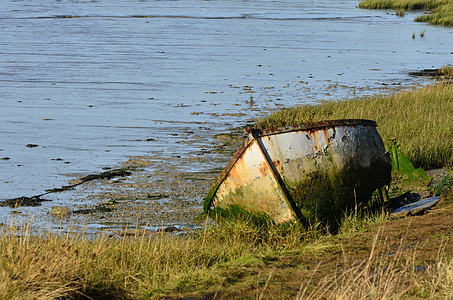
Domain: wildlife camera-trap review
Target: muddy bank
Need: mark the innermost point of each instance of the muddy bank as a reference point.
(154, 192)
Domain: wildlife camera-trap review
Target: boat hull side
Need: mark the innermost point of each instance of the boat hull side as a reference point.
(251, 186)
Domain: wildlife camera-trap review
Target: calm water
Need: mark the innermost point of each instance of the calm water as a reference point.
(93, 82)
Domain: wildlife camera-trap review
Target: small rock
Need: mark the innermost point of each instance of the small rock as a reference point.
(169, 229)
(59, 210)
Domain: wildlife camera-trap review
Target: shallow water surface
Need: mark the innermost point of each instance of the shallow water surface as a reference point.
(86, 84)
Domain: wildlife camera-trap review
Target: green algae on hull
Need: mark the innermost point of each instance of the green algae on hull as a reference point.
(324, 196)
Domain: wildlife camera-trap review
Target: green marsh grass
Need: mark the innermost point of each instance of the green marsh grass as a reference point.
(441, 11)
(421, 119)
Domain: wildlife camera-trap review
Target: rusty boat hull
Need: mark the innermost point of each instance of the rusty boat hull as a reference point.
(312, 172)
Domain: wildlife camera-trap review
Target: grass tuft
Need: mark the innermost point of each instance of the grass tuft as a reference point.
(447, 71)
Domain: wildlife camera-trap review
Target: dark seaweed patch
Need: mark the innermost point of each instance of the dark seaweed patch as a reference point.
(36, 200)
(98, 209)
(104, 175)
(23, 201)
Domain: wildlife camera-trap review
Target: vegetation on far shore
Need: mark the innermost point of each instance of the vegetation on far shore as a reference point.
(440, 11)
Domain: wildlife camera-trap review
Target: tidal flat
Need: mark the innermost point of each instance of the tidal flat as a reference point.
(87, 86)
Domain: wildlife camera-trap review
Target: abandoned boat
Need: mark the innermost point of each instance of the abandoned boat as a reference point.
(311, 172)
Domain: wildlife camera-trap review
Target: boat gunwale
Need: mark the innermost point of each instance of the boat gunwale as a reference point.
(311, 126)
(257, 133)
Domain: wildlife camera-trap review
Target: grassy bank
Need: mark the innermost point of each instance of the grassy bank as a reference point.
(421, 120)
(372, 258)
(441, 11)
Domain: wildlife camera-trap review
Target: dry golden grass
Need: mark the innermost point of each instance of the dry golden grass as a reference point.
(394, 275)
(140, 265)
(34, 268)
